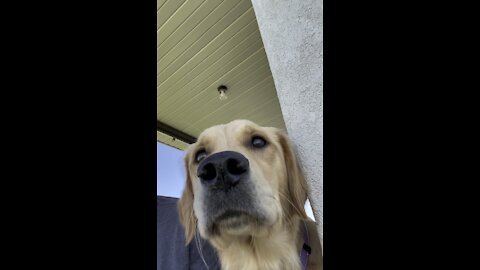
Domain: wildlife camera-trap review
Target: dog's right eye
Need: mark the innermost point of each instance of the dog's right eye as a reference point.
(200, 155)
(258, 142)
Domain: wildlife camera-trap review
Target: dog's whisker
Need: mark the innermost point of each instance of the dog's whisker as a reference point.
(286, 198)
(199, 248)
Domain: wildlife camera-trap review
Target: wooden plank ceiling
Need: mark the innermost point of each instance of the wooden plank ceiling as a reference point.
(204, 44)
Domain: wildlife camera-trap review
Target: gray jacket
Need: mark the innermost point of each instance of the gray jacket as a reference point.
(172, 254)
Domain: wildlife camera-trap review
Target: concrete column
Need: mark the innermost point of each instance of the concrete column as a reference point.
(292, 33)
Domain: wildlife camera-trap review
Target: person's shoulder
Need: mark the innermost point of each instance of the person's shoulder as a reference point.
(167, 207)
(167, 211)
(166, 200)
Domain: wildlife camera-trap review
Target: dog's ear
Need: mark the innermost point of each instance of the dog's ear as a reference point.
(185, 207)
(297, 187)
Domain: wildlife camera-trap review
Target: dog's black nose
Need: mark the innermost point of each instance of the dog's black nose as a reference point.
(223, 170)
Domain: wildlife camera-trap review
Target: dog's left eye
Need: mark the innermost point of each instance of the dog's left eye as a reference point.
(200, 155)
(258, 142)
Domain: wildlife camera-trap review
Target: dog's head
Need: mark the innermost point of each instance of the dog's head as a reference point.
(242, 179)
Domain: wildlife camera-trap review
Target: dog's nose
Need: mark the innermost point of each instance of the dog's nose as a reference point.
(223, 170)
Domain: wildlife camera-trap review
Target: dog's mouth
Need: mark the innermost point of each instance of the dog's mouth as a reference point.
(232, 217)
(231, 212)
(234, 220)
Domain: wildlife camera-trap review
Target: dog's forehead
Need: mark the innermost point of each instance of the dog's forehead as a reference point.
(229, 130)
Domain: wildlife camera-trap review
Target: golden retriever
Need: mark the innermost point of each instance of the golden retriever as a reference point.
(245, 194)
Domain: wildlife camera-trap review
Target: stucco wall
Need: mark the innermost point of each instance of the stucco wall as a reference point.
(292, 33)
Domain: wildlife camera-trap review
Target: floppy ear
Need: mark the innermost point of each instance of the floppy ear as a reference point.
(297, 187)
(185, 208)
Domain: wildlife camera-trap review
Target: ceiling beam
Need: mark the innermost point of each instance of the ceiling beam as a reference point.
(177, 134)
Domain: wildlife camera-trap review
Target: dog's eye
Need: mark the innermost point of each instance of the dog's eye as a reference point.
(258, 142)
(200, 155)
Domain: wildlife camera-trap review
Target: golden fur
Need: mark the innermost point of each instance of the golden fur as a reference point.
(280, 192)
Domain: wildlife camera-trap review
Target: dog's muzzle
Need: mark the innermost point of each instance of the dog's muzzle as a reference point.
(223, 170)
(229, 197)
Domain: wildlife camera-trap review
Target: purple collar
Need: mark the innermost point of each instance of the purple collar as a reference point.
(306, 250)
